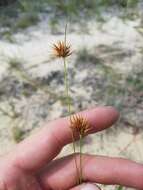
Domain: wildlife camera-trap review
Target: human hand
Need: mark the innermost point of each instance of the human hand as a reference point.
(30, 166)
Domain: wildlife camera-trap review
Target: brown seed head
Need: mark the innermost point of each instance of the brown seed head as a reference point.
(61, 49)
(79, 125)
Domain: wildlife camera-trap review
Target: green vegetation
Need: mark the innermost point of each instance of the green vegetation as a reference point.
(115, 88)
(14, 63)
(120, 187)
(17, 134)
(135, 81)
(27, 20)
(85, 56)
(115, 82)
(113, 91)
(21, 14)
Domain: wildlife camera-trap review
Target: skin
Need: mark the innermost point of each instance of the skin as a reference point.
(30, 166)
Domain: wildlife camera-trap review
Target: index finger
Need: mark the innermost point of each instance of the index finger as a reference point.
(37, 150)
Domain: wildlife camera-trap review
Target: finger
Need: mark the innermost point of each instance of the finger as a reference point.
(42, 147)
(86, 186)
(97, 169)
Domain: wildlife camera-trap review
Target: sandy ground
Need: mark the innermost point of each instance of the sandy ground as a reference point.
(33, 48)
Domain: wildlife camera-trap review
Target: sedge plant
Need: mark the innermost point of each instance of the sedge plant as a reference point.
(78, 124)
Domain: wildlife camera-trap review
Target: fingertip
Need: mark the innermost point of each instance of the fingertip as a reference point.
(86, 186)
(89, 186)
(113, 112)
(102, 117)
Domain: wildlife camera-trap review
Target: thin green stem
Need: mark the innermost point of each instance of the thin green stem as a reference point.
(69, 111)
(74, 149)
(66, 33)
(80, 154)
(67, 87)
(66, 76)
(69, 106)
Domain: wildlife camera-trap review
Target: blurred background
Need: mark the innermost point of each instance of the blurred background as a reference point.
(105, 68)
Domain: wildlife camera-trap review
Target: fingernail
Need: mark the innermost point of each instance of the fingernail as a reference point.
(89, 186)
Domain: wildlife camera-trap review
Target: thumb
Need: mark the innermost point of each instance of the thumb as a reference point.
(86, 186)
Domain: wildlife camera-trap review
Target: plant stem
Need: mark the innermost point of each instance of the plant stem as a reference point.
(69, 111)
(74, 150)
(69, 106)
(67, 87)
(80, 154)
(65, 33)
(66, 75)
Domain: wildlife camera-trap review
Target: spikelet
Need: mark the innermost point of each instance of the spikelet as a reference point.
(79, 125)
(61, 50)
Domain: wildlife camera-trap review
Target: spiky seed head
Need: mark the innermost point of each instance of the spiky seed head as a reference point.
(61, 50)
(79, 125)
